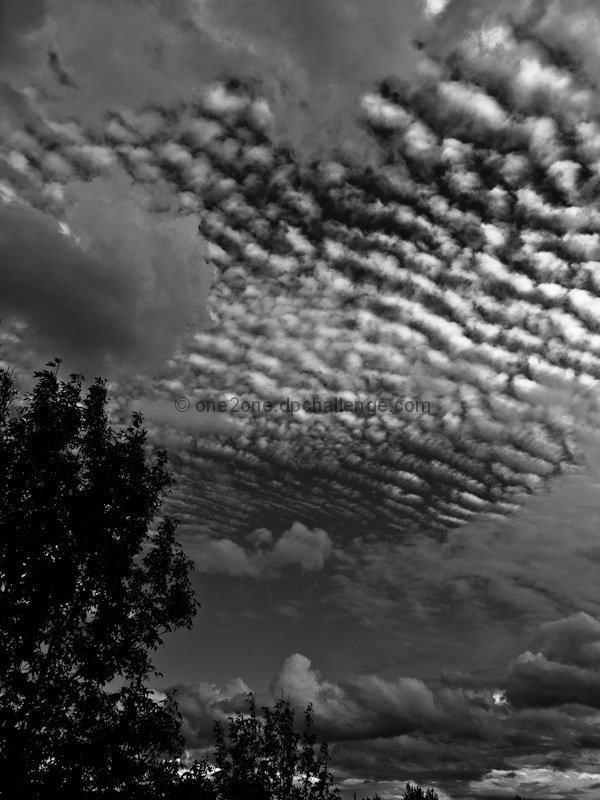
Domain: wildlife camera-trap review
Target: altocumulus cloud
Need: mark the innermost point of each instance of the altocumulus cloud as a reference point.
(334, 279)
(302, 55)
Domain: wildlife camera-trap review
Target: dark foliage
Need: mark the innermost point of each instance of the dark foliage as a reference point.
(417, 793)
(412, 793)
(265, 759)
(87, 589)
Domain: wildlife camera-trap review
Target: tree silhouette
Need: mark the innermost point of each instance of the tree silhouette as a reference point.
(265, 759)
(416, 793)
(412, 793)
(89, 582)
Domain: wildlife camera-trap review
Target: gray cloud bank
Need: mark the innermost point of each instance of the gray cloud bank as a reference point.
(265, 555)
(468, 742)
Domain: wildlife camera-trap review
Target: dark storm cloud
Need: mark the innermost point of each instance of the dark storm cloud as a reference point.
(17, 20)
(59, 291)
(204, 704)
(371, 707)
(386, 732)
(536, 681)
(366, 707)
(572, 640)
(561, 667)
(122, 285)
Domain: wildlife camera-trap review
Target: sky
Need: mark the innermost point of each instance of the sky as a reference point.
(345, 258)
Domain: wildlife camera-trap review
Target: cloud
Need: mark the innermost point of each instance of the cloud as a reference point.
(459, 740)
(18, 21)
(562, 666)
(376, 312)
(164, 413)
(522, 564)
(318, 58)
(223, 556)
(202, 704)
(446, 273)
(535, 681)
(68, 295)
(385, 732)
(368, 706)
(558, 26)
(299, 546)
(571, 640)
(554, 784)
(308, 59)
(302, 684)
(119, 285)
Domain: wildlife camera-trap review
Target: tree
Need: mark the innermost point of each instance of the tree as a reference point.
(266, 759)
(416, 793)
(412, 793)
(90, 580)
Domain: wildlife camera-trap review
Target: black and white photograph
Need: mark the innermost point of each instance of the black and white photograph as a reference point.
(300, 399)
